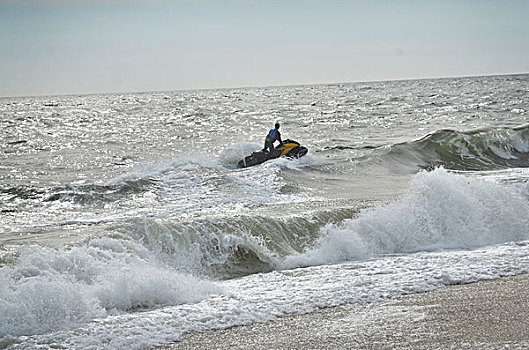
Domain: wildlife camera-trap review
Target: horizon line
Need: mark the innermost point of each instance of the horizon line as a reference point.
(260, 86)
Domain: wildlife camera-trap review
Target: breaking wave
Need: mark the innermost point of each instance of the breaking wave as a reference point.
(227, 247)
(55, 289)
(171, 258)
(484, 149)
(442, 210)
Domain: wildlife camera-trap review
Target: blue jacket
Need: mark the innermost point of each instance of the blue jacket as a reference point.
(274, 135)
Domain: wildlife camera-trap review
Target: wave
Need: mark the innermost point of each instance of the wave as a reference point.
(78, 194)
(145, 178)
(234, 246)
(484, 149)
(441, 210)
(143, 264)
(166, 260)
(179, 173)
(50, 290)
(189, 176)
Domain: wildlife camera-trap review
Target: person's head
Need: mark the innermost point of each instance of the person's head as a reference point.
(277, 125)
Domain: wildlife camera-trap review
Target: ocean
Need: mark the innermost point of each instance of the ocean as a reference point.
(126, 223)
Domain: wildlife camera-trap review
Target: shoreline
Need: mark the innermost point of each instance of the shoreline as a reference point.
(486, 315)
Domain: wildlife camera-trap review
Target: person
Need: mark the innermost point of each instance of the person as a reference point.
(273, 136)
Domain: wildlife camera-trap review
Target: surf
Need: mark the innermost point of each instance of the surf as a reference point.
(59, 289)
(475, 150)
(441, 210)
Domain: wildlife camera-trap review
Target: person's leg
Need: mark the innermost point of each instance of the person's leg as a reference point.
(268, 146)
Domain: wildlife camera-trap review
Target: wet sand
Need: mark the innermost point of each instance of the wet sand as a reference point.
(484, 315)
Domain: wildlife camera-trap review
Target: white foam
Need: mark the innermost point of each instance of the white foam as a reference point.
(262, 297)
(155, 170)
(442, 210)
(50, 290)
(234, 153)
(197, 183)
(503, 144)
(293, 163)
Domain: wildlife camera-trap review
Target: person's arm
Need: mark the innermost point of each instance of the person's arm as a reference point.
(279, 137)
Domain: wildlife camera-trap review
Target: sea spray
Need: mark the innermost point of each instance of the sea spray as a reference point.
(50, 290)
(442, 210)
(234, 153)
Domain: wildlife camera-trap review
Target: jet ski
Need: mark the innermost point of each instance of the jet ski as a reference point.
(289, 149)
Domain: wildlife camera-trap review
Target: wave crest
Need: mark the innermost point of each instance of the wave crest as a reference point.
(485, 149)
(49, 289)
(232, 246)
(442, 210)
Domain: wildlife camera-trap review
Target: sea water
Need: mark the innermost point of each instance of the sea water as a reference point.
(125, 222)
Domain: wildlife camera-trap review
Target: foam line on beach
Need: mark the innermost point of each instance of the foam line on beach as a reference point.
(486, 315)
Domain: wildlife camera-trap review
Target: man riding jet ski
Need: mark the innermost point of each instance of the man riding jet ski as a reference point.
(273, 136)
(287, 148)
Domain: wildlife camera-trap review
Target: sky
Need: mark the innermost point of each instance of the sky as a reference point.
(51, 47)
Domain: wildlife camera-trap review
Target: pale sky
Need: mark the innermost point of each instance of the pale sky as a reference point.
(50, 47)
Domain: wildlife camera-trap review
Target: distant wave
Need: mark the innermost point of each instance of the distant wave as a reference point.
(484, 149)
(80, 194)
